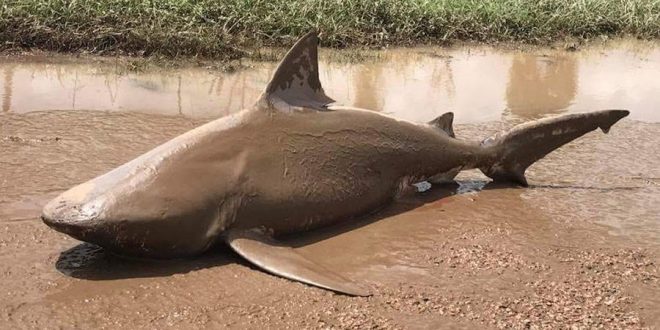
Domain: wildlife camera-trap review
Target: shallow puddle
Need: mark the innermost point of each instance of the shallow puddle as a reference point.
(477, 83)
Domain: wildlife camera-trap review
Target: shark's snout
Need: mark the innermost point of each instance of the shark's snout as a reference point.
(130, 226)
(71, 216)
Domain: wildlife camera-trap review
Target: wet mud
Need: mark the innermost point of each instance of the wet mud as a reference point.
(579, 247)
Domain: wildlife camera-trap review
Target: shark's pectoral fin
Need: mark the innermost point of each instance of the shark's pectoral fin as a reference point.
(296, 84)
(271, 256)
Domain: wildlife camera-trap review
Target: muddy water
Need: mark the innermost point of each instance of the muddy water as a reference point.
(579, 247)
(478, 84)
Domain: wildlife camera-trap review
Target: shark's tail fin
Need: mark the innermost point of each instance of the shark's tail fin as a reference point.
(512, 152)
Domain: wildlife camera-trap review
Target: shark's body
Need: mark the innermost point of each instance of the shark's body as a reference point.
(287, 165)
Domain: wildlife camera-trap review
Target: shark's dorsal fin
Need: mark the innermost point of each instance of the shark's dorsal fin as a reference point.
(296, 84)
(445, 123)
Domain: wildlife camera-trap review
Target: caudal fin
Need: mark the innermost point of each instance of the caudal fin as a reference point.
(517, 149)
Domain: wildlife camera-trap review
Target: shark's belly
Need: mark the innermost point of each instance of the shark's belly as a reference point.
(302, 210)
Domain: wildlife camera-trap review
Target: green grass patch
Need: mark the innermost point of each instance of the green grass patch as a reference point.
(223, 28)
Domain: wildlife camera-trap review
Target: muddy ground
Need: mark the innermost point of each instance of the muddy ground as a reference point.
(579, 248)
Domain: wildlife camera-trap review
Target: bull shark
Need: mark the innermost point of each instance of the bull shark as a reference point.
(290, 163)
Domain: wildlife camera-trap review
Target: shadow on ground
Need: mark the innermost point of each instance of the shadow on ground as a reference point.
(90, 262)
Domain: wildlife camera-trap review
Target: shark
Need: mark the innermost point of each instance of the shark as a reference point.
(293, 162)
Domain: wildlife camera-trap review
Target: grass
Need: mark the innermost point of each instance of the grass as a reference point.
(226, 28)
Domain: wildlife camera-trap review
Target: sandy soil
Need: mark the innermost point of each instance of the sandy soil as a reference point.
(578, 249)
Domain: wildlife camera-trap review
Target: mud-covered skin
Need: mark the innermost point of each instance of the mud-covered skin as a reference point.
(285, 172)
(281, 172)
(335, 165)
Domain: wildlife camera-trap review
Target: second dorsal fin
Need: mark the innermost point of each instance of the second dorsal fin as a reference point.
(445, 123)
(296, 83)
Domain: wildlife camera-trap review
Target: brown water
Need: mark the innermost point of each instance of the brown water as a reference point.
(579, 247)
(479, 84)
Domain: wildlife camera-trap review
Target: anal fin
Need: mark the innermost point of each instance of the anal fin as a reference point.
(275, 258)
